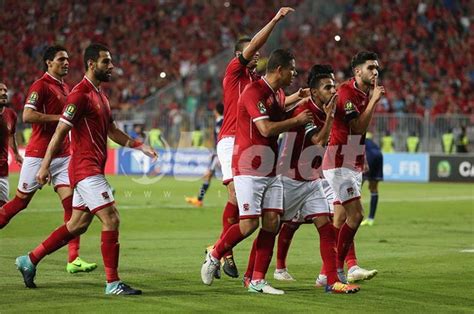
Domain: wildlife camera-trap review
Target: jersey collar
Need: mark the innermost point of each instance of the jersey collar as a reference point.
(315, 105)
(90, 82)
(49, 76)
(356, 88)
(263, 78)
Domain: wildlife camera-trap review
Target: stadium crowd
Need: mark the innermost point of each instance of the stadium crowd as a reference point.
(425, 49)
(148, 39)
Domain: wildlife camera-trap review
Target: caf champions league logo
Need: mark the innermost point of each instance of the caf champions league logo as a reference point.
(444, 169)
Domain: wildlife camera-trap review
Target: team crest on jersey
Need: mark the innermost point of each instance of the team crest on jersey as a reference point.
(246, 206)
(70, 111)
(105, 195)
(261, 107)
(33, 98)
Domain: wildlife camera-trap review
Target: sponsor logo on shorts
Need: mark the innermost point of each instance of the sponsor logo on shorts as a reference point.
(350, 191)
(105, 195)
(33, 98)
(25, 185)
(261, 107)
(246, 206)
(70, 111)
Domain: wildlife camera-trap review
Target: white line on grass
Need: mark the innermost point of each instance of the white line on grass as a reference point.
(467, 251)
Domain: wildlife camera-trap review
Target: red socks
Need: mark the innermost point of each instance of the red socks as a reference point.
(251, 263)
(59, 238)
(230, 216)
(344, 242)
(351, 259)
(10, 209)
(284, 242)
(74, 244)
(264, 252)
(110, 254)
(327, 248)
(228, 241)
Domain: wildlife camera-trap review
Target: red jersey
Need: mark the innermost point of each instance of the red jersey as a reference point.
(7, 128)
(345, 149)
(253, 153)
(48, 96)
(88, 113)
(237, 76)
(305, 164)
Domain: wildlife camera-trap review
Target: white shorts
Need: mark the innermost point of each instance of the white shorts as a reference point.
(4, 189)
(303, 200)
(225, 149)
(255, 194)
(92, 194)
(329, 192)
(28, 184)
(346, 184)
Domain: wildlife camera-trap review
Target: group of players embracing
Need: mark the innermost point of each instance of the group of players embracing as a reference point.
(313, 176)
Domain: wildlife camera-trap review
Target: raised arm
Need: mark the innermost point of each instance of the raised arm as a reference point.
(360, 124)
(262, 36)
(321, 137)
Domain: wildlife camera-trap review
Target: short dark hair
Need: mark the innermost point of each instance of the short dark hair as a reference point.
(49, 54)
(362, 57)
(239, 44)
(279, 58)
(318, 72)
(220, 108)
(92, 52)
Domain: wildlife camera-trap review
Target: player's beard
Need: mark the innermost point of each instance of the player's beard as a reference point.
(102, 76)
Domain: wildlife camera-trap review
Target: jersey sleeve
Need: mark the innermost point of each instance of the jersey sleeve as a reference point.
(345, 104)
(255, 105)
(75, 109)
(35, 95)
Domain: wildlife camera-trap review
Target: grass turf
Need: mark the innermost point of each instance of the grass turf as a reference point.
(415, 244)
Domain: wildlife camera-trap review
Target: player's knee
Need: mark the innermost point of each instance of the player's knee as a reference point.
(248, 226)
(112, 222)
(271, 223)
(78, 227)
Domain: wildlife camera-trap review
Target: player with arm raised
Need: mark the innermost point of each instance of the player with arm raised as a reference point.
(239, 73)
(259, 190)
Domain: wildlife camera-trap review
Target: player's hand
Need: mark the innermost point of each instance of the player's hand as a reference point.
(282, 13)
(149, 151)
(304, 92)
(304, 117)
(378, 92)
(19, 159)
(43, 176)
(330, 107)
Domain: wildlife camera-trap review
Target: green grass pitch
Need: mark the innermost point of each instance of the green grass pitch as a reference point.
(416, 244)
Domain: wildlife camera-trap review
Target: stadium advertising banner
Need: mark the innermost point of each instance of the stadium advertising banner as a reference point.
(173, 162)
(405, 167)
(452, 168)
